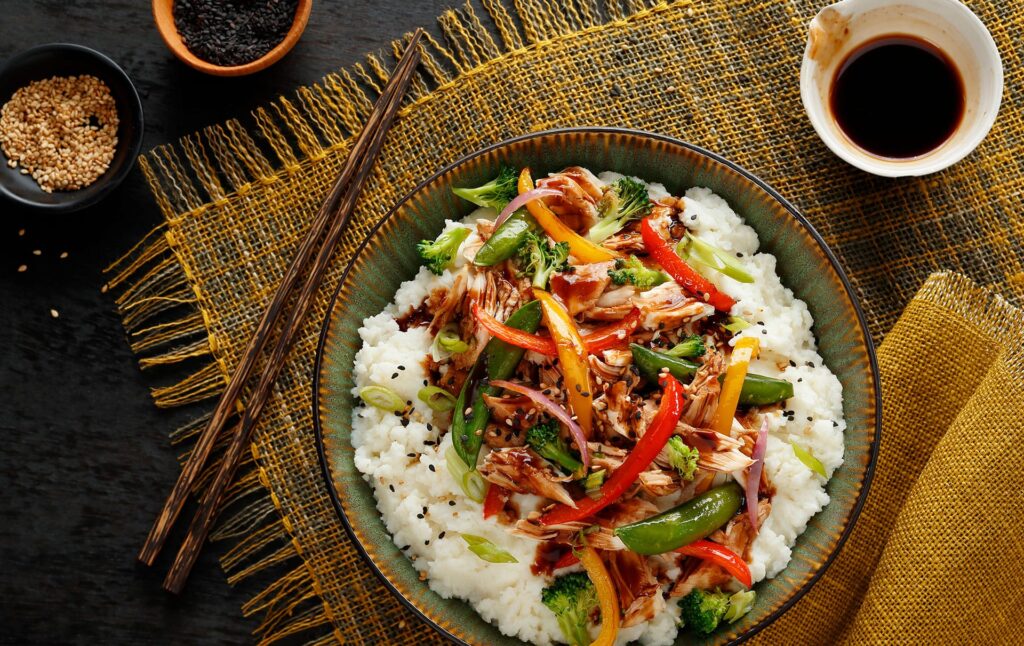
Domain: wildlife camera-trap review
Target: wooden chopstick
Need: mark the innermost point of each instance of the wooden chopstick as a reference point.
(332, 218)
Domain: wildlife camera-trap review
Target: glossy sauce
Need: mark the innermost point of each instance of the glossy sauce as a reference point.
(897, 96)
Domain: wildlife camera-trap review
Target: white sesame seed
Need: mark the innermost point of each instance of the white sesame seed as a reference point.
(37, 252)
(63, 255)
(54, 313)
(22, 268)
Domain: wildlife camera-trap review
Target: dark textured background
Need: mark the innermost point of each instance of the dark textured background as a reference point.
(84, 457)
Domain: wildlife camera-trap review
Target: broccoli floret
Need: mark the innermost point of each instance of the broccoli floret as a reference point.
(626, 200)
(496, 193)
(635, 272)
(703, 610)
(438, 254)
(683, 458)
(691, 346)
(572, 598)
(545, 439)
(540, 258)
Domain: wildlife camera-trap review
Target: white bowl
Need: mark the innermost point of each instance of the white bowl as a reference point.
(949, 25)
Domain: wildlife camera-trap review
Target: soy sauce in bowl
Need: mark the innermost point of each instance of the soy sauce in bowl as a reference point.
(897, 96)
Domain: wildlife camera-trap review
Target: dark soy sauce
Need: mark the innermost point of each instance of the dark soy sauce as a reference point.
(897, 96)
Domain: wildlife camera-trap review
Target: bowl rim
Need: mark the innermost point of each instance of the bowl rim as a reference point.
(136, 113)
(869, 473)
(172, 39)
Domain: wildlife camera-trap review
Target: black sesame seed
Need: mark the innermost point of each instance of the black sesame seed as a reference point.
(405, 547)
(451, 503)
(799, 379)
(426, 542)
(693, 217)
(440, 536)
(401, 367)
(392, 488)
(792, 364)
(810, 364)
(405, 421)
(420, 516)
(411, 455)
(835, 424)
(431, 467)
(810, 419)
(764, 331)
(394, 375)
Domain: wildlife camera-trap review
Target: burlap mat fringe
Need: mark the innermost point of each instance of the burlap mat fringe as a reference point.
(163, 309)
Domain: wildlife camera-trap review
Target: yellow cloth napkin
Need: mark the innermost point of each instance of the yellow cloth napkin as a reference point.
(937, 556)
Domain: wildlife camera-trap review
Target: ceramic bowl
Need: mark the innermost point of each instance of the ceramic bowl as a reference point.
(949, 25)
(62, 59)
(388, 256)
(163, 15)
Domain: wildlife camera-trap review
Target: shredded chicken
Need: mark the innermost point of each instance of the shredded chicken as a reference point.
(615, 410)
(703, 391)
(638, 590)
(580, 288)
(495, 295)
(613, 305)
(523, 471)
(658, 483)
(667, 306)
(575, 206)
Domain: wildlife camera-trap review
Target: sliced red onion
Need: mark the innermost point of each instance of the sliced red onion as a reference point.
(556, 411)
(754, 474)
(521, 200)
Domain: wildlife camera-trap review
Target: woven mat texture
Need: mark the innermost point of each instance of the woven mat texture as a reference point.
(723, 75)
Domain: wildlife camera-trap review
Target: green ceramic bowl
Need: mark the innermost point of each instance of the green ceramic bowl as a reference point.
(388, 256)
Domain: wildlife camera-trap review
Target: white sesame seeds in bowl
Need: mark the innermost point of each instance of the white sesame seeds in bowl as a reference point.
(70, 127)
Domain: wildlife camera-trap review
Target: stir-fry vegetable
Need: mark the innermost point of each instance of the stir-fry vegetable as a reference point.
(636, 273)
(703, 610)
(606, 595)
(486, 550)
(545, 439)
(624, 202)
(448, 340)
(555, 410)
(572, 355)
(584, 250)
(682, 273)
(498, 361)
(602, 338)
(469, 480)
(811, 462)
(757, 390)
(572, 598)
(739, 605)
(736, 324)
(522, 200)
(382, 398)
(594, 480)
(693, 520)
(683, 458)
(711, 256)
(540, 258)
(438, 254)
(505, 240)
(746, 349)
(691, 346)
(495, 499)
(721, 556)
(754, 472)
(647, 448)
(494, 194)
(438, 399)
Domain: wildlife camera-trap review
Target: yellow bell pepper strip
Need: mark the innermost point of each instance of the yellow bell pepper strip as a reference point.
(584, 250)
(745, 350)
(606, 595)
(572, 355)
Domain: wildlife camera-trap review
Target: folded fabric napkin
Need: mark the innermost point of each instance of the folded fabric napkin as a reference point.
(937, 555)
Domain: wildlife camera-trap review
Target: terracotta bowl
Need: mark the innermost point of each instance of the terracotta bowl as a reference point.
(388, 256)
(164, 17)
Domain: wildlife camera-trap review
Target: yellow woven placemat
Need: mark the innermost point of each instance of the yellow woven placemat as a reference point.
(723, 75)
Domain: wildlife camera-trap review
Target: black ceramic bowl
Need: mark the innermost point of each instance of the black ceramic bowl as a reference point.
(61, 59)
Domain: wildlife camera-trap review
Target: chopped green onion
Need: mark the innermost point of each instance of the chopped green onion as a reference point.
(811, 462)
(739, 605)
(487, 550)
(449, 341)
(691, 346)
(382, 398)
(469, 480)
(736, 324)
(594, 480)
(711, 256)
(438, 399)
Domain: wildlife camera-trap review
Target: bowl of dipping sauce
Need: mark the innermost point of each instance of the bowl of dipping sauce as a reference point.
(231, 37)
(70, 127)
(901, 87)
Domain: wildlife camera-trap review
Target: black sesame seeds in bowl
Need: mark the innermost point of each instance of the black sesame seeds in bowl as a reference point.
(70, 127)
(231, 37)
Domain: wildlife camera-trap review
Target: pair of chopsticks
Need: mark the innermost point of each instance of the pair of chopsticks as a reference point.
(309, 264)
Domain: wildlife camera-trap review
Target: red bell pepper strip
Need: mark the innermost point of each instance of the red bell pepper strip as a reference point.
(721, 556)
(495, 500)
(602, 338)
(647, 448)
(566, 560)
(681, 272)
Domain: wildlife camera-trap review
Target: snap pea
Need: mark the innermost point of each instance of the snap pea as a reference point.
(682, 525)
(503, 243)
(499, 360)
(758, 390)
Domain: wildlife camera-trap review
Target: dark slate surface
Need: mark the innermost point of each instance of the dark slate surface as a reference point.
(84, 457)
